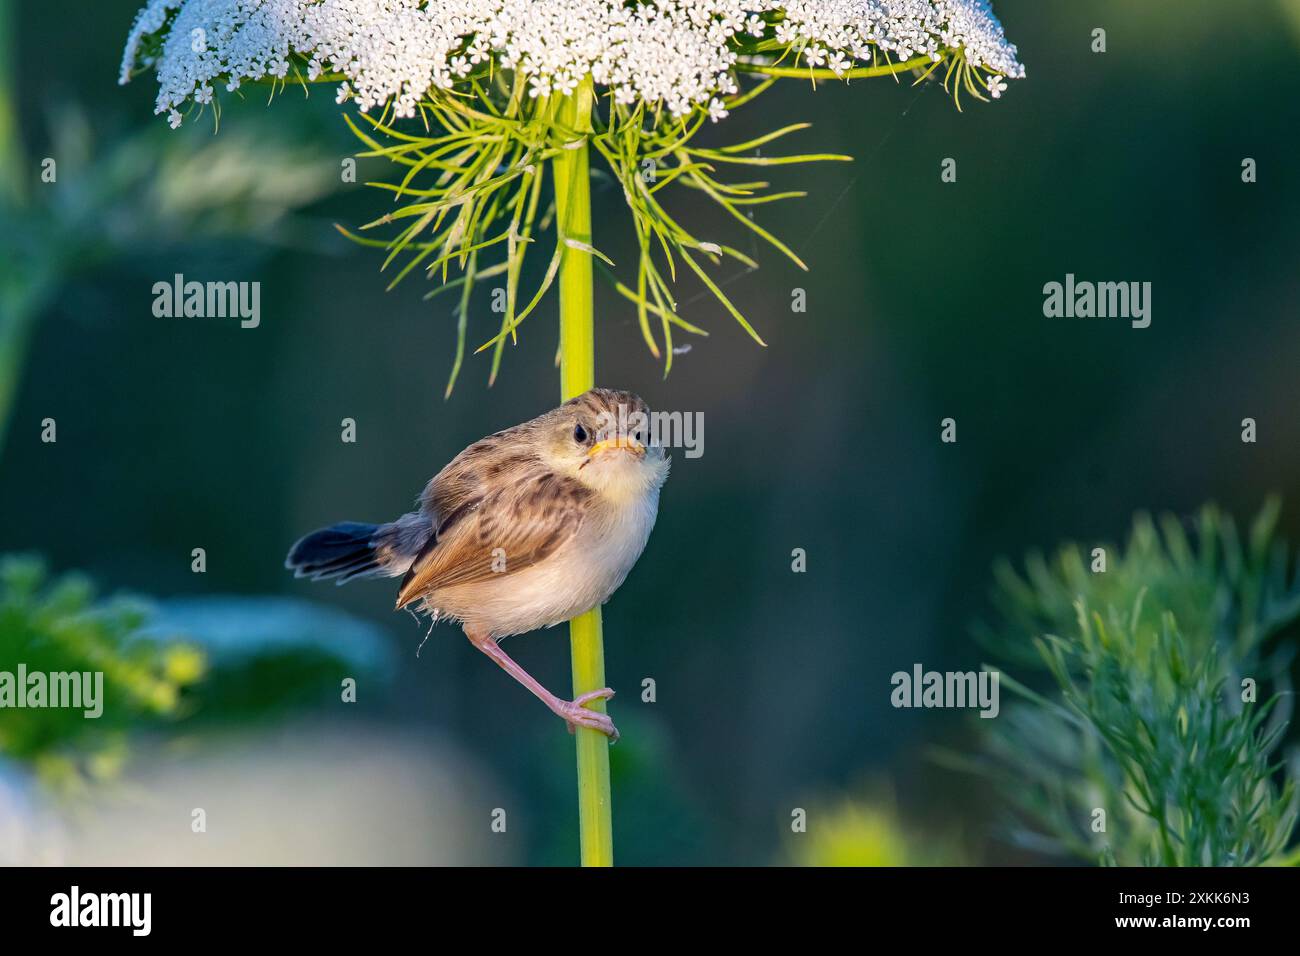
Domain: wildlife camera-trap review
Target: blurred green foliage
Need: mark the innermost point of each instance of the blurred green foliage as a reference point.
(1169, 700)
(59, 625)
(185, 664)
(270, 655)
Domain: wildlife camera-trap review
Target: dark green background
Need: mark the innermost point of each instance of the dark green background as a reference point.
(924, 301)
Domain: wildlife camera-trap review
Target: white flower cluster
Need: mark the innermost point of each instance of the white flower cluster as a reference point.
(676, 53)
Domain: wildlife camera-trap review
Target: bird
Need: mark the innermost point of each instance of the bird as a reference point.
(524, 529)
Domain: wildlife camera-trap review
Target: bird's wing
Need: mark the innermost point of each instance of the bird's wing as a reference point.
(462, 485)
(501, 532)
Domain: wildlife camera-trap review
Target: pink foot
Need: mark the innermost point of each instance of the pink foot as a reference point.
(575, 714)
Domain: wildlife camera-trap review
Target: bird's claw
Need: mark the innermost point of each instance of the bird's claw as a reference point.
(576, 714)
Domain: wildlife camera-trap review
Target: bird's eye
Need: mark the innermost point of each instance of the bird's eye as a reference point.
(579, 434)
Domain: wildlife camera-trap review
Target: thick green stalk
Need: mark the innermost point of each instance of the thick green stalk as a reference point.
(577, 374)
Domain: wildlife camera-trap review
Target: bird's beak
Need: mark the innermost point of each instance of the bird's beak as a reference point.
(627, 444)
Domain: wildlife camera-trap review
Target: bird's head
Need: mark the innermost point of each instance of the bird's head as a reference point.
(603, 439)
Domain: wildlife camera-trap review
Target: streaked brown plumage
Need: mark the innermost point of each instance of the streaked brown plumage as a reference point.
(523, 529)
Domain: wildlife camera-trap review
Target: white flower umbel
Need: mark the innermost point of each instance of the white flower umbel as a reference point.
(488, 81)
(678, 54)
(509, 94)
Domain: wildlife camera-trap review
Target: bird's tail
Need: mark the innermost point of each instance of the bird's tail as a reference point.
(345, 551)
(353, 549)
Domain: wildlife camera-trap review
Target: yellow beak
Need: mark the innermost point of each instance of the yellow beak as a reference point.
(627, 444)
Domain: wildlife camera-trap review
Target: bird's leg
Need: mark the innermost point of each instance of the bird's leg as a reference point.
(572, 711)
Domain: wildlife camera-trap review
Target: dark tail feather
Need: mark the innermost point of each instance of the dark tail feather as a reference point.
(344, 551)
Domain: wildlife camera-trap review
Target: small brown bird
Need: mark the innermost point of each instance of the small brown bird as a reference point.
(524, 529)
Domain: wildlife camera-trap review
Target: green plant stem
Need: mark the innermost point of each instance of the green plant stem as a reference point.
(577, 374)
(856, 73)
